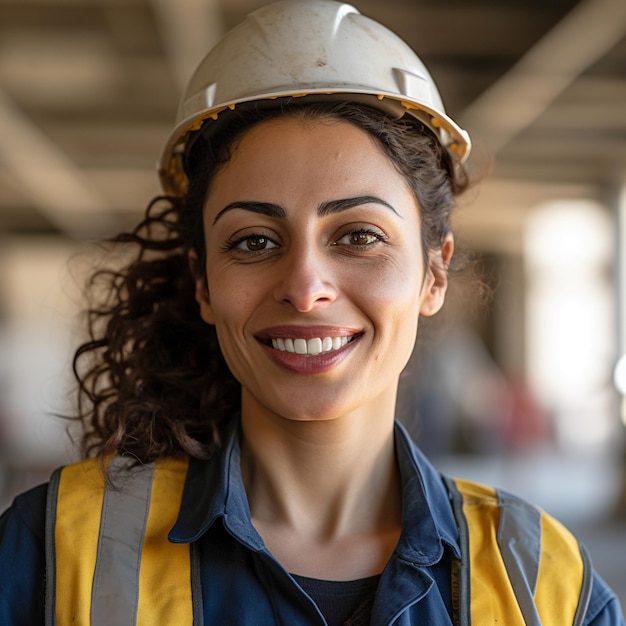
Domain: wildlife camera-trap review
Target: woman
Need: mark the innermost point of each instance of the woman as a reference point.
(239, 389)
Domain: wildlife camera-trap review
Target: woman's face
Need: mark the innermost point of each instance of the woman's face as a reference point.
(315, 270)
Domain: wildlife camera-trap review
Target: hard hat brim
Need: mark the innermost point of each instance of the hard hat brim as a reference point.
(450, 134)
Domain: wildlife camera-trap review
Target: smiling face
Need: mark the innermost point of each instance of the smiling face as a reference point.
(315, 270)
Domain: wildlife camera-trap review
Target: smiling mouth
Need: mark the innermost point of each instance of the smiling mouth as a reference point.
(311, 347)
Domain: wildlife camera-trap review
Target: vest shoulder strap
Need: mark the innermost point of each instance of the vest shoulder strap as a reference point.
(519, 565)
(109, 560)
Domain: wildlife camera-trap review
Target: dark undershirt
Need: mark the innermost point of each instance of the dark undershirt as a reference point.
(342, 603)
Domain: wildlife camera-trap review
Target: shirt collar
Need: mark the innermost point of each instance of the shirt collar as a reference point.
(214, 490)
(428, 523)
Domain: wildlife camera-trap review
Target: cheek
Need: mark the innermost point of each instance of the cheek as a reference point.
(233, 301)
(394, 309)
(229, 323)
(393, 283)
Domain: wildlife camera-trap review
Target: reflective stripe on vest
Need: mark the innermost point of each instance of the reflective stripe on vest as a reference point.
(108, 557)
(538, 576)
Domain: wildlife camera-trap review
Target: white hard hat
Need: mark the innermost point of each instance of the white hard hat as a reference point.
(299, 48)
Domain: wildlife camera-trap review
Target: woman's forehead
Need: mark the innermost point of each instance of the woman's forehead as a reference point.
(319, 144)
(292, 158)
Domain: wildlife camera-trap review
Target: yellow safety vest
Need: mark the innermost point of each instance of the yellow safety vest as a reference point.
(524, 566)
(109, 560)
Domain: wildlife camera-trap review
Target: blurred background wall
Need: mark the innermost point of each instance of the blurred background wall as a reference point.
(518, 390)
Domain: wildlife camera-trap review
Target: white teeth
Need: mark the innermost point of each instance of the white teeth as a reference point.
(310, 347)
(314, 346)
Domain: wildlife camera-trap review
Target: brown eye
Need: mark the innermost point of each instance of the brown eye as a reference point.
(361, 239)
(255, 243)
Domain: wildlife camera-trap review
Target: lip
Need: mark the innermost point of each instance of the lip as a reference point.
(307, 364)
(304, 332)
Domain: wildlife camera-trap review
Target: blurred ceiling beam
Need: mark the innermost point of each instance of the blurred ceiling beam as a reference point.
(588, 32)
(52, 181)
(189, 28)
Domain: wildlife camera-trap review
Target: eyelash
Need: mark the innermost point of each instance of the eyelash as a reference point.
(233, 245)
(378, 236)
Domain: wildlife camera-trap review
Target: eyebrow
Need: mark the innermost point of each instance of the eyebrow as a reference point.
(326, 208)
(336, 206)
(264, 208)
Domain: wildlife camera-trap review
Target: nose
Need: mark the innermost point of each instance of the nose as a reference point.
(306, 282)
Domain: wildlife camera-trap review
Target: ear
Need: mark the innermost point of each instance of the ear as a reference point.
(202, 289)
(436, 279)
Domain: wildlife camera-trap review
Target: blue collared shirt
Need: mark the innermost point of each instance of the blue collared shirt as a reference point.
(238, 567)
(241, 581)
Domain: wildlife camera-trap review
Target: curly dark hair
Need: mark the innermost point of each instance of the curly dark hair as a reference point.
(152, 380)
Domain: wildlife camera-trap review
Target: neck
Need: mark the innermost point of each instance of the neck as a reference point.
(324, 479)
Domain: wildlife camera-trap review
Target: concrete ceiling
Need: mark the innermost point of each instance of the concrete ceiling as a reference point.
(88, 92)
